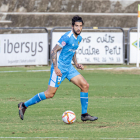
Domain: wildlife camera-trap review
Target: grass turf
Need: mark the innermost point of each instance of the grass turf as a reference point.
(113, 97)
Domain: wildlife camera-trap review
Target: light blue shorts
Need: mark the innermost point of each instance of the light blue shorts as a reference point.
(55, 80)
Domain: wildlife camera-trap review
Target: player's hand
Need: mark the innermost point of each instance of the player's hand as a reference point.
(80, 66)
(57, 71)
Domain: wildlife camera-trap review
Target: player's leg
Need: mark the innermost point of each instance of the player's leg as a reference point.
(53, 84)
(84, 86)
(80, 81)
(75, 77)
(49, 93)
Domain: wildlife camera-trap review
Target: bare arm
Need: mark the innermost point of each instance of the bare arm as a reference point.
(79, 66)
(54, 59)
(54, 54)
(74, 59)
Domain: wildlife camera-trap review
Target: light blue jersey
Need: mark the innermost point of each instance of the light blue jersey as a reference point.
(69, 44)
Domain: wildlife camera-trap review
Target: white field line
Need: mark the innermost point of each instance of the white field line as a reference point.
(36, 70)
(9, 71)
(23, 71)
(119, 68)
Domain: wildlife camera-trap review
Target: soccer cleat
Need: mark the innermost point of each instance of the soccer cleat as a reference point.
(86, 117)
(22, 110)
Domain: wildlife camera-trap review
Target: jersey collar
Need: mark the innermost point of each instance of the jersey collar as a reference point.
(74, 35)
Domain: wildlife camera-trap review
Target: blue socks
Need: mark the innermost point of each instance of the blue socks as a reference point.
(84, 102)
(41, 96)
(37, 98)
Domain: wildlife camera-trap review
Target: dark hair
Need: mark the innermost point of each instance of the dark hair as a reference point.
(77, 19)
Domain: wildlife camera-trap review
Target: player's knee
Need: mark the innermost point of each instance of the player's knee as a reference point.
(85, 86)
(49, 95)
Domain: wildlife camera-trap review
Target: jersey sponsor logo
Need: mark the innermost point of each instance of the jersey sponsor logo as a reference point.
(72, 50)
(63, 43)
(78, 42)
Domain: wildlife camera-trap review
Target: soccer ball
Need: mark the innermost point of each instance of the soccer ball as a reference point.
(68, 117)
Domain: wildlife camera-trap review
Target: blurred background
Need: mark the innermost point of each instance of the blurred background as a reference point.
(51, 13)
(58, 13)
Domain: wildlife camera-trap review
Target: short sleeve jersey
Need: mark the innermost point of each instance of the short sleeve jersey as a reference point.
(69, 44)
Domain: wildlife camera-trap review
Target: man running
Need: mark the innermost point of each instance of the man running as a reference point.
(62, 55)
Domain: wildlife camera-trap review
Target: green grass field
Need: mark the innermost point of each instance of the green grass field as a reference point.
(114, 97)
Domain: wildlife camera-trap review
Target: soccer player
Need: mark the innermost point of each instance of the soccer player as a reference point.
(62, 55)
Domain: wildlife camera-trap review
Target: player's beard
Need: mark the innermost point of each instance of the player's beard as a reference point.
(76, 32)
